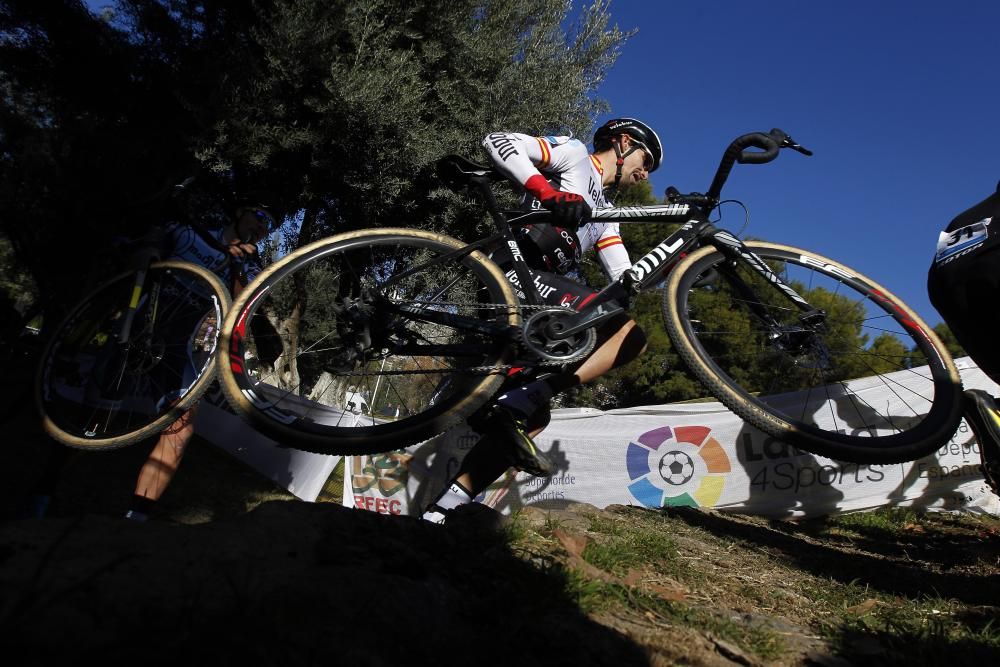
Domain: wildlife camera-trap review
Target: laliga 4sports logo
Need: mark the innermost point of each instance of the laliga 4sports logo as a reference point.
(677, 466)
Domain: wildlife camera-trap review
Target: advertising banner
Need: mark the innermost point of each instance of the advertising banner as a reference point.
(302, 473)
(696, 454)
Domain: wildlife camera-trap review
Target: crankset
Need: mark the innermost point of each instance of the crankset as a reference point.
(562, 351)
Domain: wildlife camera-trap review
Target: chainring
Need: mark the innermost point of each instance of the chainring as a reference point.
(549, 350)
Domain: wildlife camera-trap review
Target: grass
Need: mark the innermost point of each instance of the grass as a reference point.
(888, 522)
(628, 546)
(892, 586)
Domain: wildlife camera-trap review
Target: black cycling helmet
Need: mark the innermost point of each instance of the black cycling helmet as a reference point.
(642, 135)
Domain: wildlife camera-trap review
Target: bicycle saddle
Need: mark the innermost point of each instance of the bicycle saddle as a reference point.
(458, 173)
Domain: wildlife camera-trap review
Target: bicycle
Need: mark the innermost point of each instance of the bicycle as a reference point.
(133, 355)
(428, 322)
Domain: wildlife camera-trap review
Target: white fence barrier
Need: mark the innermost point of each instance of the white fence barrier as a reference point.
(686, 454)
(683, 454)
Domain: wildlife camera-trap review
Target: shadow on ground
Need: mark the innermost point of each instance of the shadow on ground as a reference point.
(942, 566)
(287, 583)
(951, 561)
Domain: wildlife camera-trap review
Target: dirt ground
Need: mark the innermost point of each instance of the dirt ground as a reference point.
(294, 582)
(233, 569)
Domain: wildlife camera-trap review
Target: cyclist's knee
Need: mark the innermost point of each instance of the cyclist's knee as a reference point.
(538, 420)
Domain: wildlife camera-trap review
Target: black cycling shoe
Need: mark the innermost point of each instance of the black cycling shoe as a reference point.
(524, 453)
(983, 415)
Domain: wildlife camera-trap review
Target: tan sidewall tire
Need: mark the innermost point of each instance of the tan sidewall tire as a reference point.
(750, 412)
(169, 417)
(370, 443)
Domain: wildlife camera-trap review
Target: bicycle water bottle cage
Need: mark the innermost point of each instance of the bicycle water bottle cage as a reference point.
(460, 174)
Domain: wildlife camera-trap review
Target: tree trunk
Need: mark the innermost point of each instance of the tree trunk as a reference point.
(286, 365)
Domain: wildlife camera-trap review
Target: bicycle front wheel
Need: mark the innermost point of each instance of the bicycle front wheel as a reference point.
(369, 341)
(866, 382)
(96, 391)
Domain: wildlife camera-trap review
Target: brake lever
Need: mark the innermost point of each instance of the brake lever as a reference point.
(800, 149)
(785, 141)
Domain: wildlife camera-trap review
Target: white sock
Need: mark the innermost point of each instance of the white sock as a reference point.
(527, 399)
(452, 497)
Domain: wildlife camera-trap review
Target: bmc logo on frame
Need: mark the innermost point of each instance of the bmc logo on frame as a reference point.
(677, 466)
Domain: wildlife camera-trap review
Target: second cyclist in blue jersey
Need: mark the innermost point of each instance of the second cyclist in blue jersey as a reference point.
(560, 175)
(231, 253)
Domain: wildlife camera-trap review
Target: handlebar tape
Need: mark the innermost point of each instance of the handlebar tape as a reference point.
(756, 140)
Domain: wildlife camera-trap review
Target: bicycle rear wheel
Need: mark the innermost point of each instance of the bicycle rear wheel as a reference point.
(371, 348)
(94, 392)
(870, 384)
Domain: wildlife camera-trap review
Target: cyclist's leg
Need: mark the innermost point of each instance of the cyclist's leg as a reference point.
(161, 465)
(526, 404)
(163, 461)
(619, 341)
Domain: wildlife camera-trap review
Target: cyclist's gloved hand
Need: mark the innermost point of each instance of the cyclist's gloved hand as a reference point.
(240, 250)
(568, 209)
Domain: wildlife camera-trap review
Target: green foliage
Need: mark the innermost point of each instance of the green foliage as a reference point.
(17, 290)
(357, 101)
(951, 343)
(341, 109)
(955, 349)
(882, 523)
(657, 376)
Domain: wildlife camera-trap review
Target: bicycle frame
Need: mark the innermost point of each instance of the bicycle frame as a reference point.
(695, 231)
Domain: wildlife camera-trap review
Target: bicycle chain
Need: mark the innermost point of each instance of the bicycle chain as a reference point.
(477, 370)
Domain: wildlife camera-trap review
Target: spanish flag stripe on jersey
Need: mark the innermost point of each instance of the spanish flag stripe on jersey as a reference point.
(597, 165)
(546, 153)
(608, 242)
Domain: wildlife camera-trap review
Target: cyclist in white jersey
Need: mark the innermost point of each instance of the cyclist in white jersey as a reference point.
(558, 174)
(230, 253)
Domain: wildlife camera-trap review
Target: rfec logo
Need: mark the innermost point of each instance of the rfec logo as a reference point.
(682, 465)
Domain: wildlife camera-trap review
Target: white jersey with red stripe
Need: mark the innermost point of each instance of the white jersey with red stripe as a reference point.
(568, 166)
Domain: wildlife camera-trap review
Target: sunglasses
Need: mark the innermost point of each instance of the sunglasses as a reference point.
(647, 155)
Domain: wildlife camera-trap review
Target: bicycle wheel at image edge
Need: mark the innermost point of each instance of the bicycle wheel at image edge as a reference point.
(363, 356)
(95, 394)
(871, 384)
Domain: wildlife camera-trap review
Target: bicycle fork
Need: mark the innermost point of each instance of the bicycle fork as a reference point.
(790, 338)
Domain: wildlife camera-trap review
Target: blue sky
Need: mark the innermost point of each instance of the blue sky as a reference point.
(900, 100)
